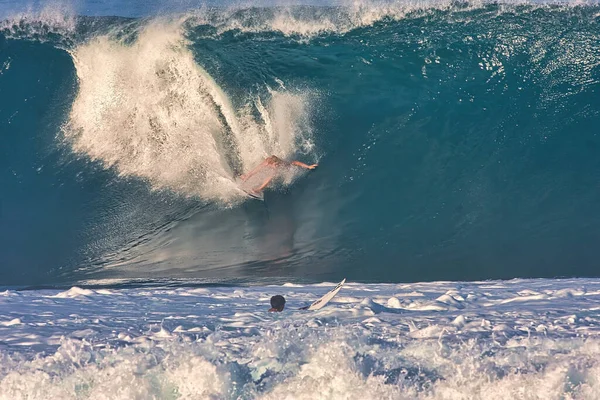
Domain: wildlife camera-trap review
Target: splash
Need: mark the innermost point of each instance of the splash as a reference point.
(146, 108)
(54, 17)
(339, 17)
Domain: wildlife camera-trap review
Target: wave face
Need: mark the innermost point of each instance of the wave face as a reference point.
(455, 142)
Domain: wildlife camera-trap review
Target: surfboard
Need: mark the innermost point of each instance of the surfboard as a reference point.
(245, 187)
(258, 196)
(326, 298)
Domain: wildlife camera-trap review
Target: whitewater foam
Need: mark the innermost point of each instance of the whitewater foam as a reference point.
(222, 343)
(291, 20)
(54, 17)
(308, 22)
(340, 17)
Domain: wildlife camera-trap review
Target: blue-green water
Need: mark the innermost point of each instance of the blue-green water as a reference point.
(454, 142)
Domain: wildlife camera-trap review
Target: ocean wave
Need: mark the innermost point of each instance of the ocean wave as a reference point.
(303, 21)
(449, 137)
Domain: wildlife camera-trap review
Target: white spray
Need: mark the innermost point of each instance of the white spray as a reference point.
(150, 111)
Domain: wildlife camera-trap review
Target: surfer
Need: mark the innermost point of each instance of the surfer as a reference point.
(276, 164)
(277, 303)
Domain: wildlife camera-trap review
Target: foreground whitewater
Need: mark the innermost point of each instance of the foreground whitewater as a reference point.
(526, 339)
(457, 139)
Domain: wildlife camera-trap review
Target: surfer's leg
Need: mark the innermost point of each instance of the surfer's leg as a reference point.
(264, 185)
(245, 177)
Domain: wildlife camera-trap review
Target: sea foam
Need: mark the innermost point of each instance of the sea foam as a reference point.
(221, 343)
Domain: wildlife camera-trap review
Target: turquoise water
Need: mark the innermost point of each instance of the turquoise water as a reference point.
(454, 142)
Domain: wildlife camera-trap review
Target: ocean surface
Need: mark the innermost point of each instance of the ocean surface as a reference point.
(455, 141)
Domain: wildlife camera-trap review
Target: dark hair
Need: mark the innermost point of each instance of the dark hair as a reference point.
(277, 302)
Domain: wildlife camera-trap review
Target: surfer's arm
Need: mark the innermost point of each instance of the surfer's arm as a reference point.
(301, 164)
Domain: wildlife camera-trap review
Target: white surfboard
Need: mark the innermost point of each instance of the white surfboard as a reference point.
(258, 196)
(246, 188)
(325, 299)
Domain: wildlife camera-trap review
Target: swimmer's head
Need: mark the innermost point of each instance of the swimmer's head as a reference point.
(277, 303)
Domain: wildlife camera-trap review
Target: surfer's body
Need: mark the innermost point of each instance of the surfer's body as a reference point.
(275, 163)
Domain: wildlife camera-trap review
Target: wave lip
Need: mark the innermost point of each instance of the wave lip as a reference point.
(303, 21)
(339, 18)
(40, 23)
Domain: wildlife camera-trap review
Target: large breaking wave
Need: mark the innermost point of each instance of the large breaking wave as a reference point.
(455, 141)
